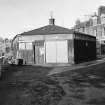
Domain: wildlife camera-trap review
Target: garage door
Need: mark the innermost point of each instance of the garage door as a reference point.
(56, 52)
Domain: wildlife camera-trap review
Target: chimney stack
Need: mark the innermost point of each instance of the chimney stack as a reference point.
(51, 21)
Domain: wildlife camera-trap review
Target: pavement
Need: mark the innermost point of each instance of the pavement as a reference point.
(67, 67)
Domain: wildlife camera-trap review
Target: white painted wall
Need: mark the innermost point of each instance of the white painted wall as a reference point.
(52, 56)
(32, 38)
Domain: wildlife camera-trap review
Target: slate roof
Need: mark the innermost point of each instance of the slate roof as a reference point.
(49, 29)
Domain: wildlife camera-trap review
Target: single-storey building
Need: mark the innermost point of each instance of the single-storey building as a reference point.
(54, 44)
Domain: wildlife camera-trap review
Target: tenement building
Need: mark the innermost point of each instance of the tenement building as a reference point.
(95, 26)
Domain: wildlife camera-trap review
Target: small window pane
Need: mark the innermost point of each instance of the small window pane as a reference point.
(28, 46)
(22, 46)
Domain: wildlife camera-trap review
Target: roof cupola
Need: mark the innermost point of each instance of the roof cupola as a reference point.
(51, 20)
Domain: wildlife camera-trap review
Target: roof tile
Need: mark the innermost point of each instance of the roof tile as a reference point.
(49, 29)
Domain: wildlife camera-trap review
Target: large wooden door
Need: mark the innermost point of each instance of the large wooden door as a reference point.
(56, 52)
(51, 52)
(62, 52)
(39, 52)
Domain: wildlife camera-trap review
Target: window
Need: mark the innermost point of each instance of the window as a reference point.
(95, 32)
(25, 46)
(28, 46)
(22, 46)
(104, 31)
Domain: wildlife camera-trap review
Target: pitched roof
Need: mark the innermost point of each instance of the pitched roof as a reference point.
(49, 29)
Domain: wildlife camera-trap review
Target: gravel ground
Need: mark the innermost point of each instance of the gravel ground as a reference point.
(31, 85)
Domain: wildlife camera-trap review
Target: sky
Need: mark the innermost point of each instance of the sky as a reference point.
(18, 16)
